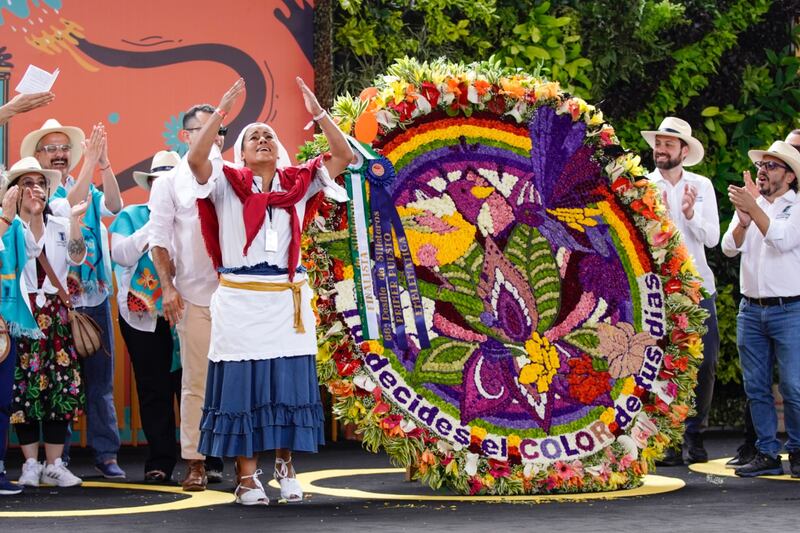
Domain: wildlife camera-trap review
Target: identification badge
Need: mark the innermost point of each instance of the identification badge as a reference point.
(271, 240)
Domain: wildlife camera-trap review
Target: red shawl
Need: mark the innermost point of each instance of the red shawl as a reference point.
(295, 182)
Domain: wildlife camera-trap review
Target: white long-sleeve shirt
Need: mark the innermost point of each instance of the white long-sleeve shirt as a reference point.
(769, 262)
(702, 230)
(176, 228)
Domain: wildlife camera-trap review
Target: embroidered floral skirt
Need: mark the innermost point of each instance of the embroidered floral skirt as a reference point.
(47, 378)
(254, 406)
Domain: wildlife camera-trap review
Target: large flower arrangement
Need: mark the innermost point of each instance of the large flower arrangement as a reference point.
(538, 314)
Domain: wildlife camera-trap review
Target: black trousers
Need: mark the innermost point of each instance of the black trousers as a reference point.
(151, 357)
(54, 431)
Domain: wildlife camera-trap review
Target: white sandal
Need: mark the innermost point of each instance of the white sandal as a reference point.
(250, 496)
(291, 491)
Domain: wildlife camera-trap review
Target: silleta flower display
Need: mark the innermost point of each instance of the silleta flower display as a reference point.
(505, 306)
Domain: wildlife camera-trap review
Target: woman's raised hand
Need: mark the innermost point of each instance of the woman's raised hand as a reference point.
(310, 99)
(231, 95)
(10, 202)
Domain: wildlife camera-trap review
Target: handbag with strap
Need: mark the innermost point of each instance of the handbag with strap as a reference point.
(86, 332)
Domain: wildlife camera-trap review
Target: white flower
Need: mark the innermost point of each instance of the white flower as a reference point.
(407, 425)
(629, 445)
(471, 464)
(386, 119)
(443, 446)
(364, 382)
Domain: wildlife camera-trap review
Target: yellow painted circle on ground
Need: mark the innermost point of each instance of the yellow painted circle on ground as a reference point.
(716, 467)
(652, 485)
(193, 500)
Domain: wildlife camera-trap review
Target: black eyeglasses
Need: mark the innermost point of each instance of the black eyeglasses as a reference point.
(223, 130)
(770, 165)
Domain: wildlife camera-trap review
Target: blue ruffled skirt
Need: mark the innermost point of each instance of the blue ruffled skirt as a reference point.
(254, 406)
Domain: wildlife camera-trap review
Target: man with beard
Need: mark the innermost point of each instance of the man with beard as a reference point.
(58, 147)
(693, 208)
(766, 232)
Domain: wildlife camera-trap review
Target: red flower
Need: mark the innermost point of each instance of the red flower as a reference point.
(404, 109)
(430, 92)
(475, 485)
(621, 185)
(673, 285)
(499, 468)
(585, 383)
(497, 104)
(348, 368)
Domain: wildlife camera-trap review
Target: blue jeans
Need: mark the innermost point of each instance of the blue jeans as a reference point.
(6, 395)
(98, 377)
(765, 336)
(706, 374)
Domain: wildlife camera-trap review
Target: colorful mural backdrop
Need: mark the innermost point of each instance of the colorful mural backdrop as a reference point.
(136, 66)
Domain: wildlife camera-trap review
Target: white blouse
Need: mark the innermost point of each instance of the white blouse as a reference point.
(54, 240)
(248, 324)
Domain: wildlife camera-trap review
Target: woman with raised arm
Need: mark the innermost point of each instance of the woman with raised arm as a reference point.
(262, 391)
(47, 383)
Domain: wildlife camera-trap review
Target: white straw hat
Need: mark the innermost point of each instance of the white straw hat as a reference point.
(783, 151)
(51, 125)
(676, 127)
(163, 162)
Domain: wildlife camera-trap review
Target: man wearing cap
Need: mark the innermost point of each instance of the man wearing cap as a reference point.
(693, 208)
(175, 238)
(60, 148)
(766, 232)
(147, 333)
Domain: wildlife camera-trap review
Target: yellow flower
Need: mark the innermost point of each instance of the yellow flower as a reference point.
(356, 410)
(324, 352)
(478, 432)
(628, 386)
(488, 481)
(514, 440)
(608, 416)
(576, 217)
(695, 348)
(348, 272)
(544, 363)
(62, 358)
(688, 267)
(481, 192)
(618, 478)
(44, 321)
(449, 246)
(452, 467)
(375, 347)
(650, 453)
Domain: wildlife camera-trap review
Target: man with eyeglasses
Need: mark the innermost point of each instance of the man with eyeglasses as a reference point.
(692, 206)
(60, 148)
(766, 232)
(186, 299)
(747, 451)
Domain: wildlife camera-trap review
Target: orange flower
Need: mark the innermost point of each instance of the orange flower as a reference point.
(512, 87)
(452, 86)
(341, 389)
(482, 86)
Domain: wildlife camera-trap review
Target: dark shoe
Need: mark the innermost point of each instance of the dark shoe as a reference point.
(672, 457)
(695, 451)
(157, 477)
(761, 465)
(110, 470)
(7, 488)
(195, 480)
(794, 463)
(744, 455)
(214, 476)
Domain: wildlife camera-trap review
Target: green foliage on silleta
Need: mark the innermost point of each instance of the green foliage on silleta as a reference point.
(726, 66)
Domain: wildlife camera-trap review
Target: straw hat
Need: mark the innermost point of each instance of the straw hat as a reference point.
(29, 165)
(676, 127)
(51, 125)
(163, 162)
(783, 151)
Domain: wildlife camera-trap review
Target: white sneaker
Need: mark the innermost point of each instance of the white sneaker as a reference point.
(58, 474)
(31, 472)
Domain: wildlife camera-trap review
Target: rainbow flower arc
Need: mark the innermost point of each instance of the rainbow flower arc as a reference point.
(504, 306)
